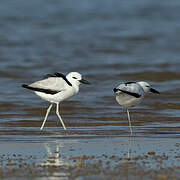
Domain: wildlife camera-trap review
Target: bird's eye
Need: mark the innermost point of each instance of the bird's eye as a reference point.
(147, 86)
(74, 77)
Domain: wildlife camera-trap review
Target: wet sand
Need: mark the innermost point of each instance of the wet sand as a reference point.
(91, 158)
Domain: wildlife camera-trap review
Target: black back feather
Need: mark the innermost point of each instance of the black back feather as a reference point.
(131, 93)
(56, 74)
(47, 91)
(131, 82)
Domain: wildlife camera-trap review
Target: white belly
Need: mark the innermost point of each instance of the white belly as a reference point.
(58, 97)
(127, 100)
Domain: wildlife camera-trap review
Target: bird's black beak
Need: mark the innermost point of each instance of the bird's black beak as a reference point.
(84, 81)
(154, 91)
(115, 90)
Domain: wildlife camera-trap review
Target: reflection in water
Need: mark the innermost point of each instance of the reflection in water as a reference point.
(95, 158)
(55, 159)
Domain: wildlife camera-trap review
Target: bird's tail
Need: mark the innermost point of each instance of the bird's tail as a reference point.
(29, 87)
(25, 86)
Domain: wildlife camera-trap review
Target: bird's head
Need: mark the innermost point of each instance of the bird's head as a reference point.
(76, 78)
(147, 88)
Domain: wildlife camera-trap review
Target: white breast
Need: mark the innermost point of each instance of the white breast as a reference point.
(58, 97)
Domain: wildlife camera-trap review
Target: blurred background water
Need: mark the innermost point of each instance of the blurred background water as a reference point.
(109, 42)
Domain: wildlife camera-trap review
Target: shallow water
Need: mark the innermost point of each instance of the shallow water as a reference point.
(100, 158)
(109, 42)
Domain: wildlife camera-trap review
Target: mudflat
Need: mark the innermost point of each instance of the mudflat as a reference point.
(91, 158)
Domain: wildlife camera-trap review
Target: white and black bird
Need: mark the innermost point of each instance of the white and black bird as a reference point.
(56, 88)
(131, 94)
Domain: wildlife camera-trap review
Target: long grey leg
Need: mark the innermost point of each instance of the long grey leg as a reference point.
(57, 112)
(47, 113)
(129, 121)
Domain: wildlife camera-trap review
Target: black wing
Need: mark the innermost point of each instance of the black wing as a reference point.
(131, 93)
(47, 91)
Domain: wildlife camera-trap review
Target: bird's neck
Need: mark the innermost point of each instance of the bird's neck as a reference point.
(76, 87)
